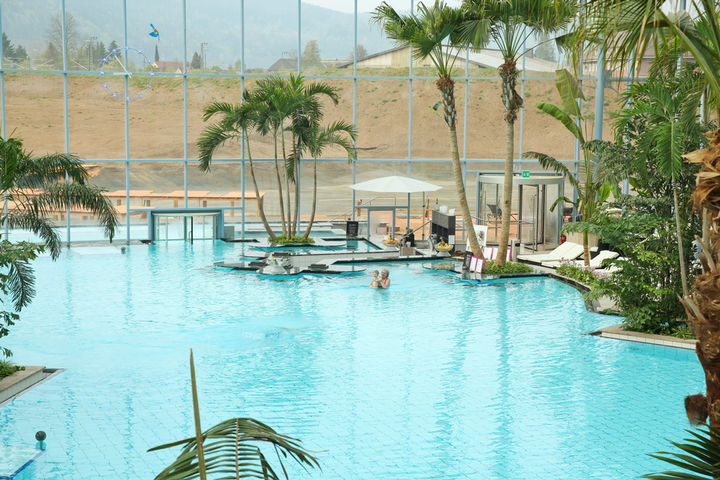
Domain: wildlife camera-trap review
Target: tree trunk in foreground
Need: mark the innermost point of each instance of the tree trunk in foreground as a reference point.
(260, 201)
(296, 208)
(681, 252)
(280, 189)
(314, 201)
(702, 304)
(586, 249)
(446, 85)
(512, 102)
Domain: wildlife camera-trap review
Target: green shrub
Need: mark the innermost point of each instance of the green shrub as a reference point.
(492, 268)
(586, 276)
(283, 239)
(7, 369)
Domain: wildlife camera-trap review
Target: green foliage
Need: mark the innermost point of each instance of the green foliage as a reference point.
(699, 458)
(7, 369)
(284, 239)
(642, 226)
(490, 267)
(17, 282)
(597, 180)
(586, 276)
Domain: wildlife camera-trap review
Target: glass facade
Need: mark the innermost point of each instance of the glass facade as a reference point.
(96, 83)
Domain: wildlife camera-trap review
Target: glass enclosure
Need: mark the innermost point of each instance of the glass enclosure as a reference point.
(98, 81)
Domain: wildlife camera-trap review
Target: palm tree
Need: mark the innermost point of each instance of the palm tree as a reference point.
(231, 449)
(434, 33)
(594, 189)
(315, 140)
(280, 103)
(306, 111)
(510, 23)
(36, 187)
(234, 124)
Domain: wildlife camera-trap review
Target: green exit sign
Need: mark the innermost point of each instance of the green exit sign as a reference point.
(526, 174)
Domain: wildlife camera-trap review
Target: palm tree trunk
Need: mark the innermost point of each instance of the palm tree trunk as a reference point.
(314, 201)
(586, 249)
(261, 210)
(280, 190)
(507, 193)
(512, 102)
(287, 188)
(681, 253)
(446, 85)
(701, 305)
(296, 217)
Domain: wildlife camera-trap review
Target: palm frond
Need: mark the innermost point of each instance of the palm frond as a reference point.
(21, 283)
(563, 118)
(41, 226)
(37, 172)
(212, 138)
(60, 196)
(235, 447)
(218, 107)
(699, 458)
(551, 163)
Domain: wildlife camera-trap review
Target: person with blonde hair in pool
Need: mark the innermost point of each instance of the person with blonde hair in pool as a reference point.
(384, 281)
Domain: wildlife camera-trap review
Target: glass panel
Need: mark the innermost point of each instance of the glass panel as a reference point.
(486, 127)
(214, 36)
(34, 110)
(223, 187)
(542, 133)
(156, 185)
(201, 92)
(156, 119)
(91, 41)
(430, 137)
(158, 35)
(342, 111)
(382, 118)
(96, 119)
(111, 178)
(271, 36)
(378, 55)
(327, 50)
(35, 38)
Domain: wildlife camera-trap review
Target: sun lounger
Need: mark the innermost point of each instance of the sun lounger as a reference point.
(595, 262)
(566, 251)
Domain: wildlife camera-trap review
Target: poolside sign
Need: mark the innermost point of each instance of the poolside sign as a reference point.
(526, 174)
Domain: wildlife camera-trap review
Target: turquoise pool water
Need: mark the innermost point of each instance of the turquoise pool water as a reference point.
(434, 378)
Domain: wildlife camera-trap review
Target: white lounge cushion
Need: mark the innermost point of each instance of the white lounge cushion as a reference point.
(566, 251)
(595, 262)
